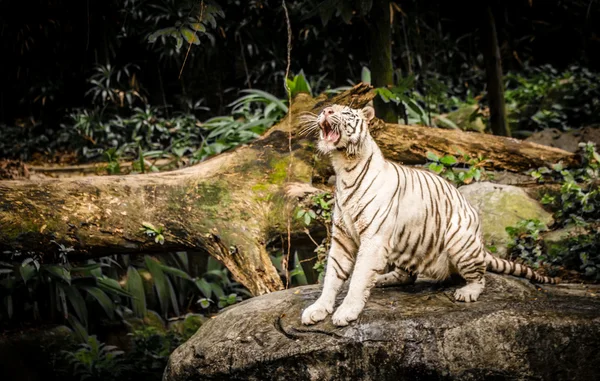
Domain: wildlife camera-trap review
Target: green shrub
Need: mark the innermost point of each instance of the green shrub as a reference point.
(542, 97)
(527, 243)
(575, 204)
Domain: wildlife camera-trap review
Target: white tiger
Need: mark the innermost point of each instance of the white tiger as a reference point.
(387, 216)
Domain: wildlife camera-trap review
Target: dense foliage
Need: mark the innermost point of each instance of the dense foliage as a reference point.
(576, 208)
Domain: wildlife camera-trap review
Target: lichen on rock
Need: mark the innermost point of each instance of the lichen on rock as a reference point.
(500, 206)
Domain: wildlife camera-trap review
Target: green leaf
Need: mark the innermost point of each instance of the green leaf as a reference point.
(447, 122)
(198, 27)
(8, 303)
(547, 199)
(468, 177)
(414, 106)
(307, 219)
(135, 286)
(436, 167)
(217, 290)
(204, 287)
(160, 283)
(291, 84)
(173, 295)
(161, 32)
(204, 303)
(27, 272)
(182, 257)
(59, 272)
(79, 329)
(448, 160)
(365, 75)
(231, 299)
(174, 271)
(213, 265)
(87, 268)
(105, 302)
(433, 157)
(301, 85)
(112, 286)
(267, 96)
(190, 36)
(149, 226)
(77, 302)
(178, 41)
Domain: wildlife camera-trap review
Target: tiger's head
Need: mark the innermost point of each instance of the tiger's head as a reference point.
(340, 128)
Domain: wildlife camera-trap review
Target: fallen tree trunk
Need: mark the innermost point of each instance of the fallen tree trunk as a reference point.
(229, 205)
(410, 144)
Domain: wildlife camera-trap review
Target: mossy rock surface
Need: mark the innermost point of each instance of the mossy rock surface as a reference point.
(500, 206)
(514, 332)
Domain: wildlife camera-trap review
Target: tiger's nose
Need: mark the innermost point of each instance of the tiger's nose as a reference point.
(328, 111)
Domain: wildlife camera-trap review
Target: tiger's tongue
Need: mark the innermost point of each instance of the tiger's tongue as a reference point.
(332, 136)
(329, 133)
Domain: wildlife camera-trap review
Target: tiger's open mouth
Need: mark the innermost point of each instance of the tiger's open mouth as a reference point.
(330, 133)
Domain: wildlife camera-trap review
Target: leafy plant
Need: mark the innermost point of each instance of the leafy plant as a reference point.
(576, 203)
(153, 232)
(579, 197)
(400, 95)
(251, 115)
(217, 288)
(317, 208)
(527, 243)
(298, 85)
(448, 167)
(580, 253)
(114, 86)
(112, 158)
(543, 97)
(189, 22)
(95, 360)
(72, 291)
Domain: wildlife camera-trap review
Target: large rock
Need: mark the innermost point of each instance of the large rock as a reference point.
(514, 332)
(500, 206)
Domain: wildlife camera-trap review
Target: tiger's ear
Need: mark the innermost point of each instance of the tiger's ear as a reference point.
(369, 113)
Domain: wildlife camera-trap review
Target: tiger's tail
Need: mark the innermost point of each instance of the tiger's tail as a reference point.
(503, 266)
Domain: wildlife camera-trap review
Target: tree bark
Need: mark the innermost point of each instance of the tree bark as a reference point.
(493, 70)
(382, 70)
(410, 144)
(229, 206)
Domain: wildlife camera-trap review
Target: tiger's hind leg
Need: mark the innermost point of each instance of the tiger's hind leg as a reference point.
(396, 277)
(469, 260)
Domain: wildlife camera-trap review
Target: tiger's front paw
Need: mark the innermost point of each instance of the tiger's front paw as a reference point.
(345, 314)
(315, 313)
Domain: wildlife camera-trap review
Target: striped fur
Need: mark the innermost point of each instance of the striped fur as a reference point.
(392, 222)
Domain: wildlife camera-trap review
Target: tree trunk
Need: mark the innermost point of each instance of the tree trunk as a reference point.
(382, 70)
(493, 70)
(229, 206)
